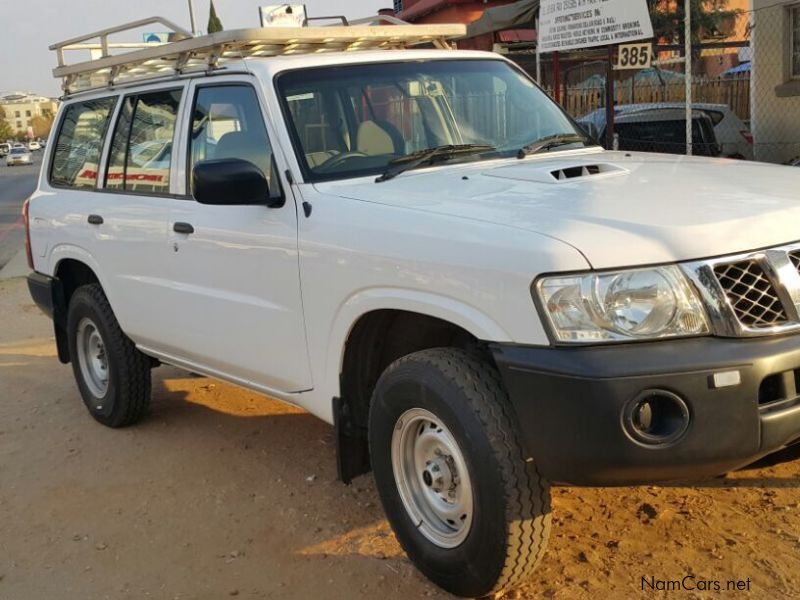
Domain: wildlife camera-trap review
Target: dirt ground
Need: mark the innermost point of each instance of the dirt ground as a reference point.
(223, 493)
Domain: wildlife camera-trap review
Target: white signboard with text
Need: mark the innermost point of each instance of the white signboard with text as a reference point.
(573, 24)
(283, 15)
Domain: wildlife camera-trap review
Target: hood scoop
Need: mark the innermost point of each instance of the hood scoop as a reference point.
(545, 173)
(577, 172)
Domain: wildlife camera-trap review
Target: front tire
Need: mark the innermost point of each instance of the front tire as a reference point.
(467, 507)
(112, 375)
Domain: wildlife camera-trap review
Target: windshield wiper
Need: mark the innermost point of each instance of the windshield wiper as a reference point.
(551, 141)
(429, 157)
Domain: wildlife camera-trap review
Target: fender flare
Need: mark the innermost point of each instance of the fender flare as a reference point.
(365, 301)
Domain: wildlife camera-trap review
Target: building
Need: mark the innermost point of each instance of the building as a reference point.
(443, 11)
(775, 83)
(729, 39)
(21, 108)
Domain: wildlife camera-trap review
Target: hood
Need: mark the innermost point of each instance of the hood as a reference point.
(618, 209)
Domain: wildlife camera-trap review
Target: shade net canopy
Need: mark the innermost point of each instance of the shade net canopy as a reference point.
(510, 16)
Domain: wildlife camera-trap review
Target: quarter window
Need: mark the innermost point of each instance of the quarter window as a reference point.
(227, 123)
(80, 142)
(141, 152)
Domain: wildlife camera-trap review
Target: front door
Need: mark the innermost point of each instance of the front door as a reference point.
(237, 305)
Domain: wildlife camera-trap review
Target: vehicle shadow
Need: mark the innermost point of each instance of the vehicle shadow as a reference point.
(288, 458)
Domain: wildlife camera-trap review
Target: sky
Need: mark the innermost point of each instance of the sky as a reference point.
(26, 31)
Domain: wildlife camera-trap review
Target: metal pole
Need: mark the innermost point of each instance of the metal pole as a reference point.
(191, 17)
(557, 77)
(689, 100)
(610, 101)
(538, 56)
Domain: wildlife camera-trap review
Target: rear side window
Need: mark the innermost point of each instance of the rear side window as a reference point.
(141, 152)
(79, 143)
(716, 116)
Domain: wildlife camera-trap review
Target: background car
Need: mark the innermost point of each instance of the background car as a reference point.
(19, 156)
(732, 134)
(33, 145)
(4, 150)
(662, 130)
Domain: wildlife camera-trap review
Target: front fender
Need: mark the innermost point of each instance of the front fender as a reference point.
(454, 311)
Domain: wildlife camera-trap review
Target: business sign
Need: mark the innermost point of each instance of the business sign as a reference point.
(634, 56)
(574, 24)
(283, 15)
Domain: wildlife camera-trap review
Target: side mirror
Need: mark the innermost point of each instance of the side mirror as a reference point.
(230, 182)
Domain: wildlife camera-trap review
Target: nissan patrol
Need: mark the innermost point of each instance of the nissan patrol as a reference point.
(419, 247)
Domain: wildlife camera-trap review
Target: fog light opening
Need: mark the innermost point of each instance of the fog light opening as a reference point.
(656, 418)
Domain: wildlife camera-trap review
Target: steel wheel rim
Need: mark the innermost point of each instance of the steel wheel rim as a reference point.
(432, 478)
(92, 358)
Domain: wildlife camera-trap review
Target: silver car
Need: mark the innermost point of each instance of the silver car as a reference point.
(733, 134)
(19, 156)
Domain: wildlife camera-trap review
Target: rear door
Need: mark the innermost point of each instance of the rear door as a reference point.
(236, 309)
(129, 216)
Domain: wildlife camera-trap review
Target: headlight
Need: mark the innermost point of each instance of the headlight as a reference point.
(622, 306)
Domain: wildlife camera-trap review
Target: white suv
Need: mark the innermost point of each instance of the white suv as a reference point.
(422, 249)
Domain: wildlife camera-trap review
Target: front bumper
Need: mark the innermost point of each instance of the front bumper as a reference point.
(571, 404)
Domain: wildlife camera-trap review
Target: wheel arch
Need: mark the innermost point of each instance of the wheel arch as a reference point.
(69, 273)
(381, 332)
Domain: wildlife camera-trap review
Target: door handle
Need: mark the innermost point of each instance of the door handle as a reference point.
(183, 228)
(95, 220)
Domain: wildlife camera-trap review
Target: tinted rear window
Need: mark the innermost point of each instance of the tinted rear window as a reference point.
(716, 116)
(141, 153)
(79, 143)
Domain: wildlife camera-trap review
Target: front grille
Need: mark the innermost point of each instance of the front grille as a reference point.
(751, 294)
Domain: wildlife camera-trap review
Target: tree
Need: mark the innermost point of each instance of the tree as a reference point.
(6, 132)
(214, 24)
(710, 18)
(42, 126)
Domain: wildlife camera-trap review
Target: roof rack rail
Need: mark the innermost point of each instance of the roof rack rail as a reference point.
(189, 54)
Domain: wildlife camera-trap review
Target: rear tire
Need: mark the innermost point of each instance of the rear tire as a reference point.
(467, 507)
(112, 375)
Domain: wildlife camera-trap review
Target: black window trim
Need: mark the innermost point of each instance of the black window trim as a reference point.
(190, 123)
(61, 121)
(119, 93)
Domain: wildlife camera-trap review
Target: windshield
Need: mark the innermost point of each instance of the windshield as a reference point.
(19, 151)
(352, 121)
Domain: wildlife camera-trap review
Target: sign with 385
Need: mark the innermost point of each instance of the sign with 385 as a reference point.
(634, 56)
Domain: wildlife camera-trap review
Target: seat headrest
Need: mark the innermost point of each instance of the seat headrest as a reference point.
(247, 146)
(374, 140)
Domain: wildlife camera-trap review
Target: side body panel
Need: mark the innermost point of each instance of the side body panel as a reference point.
(357, 257)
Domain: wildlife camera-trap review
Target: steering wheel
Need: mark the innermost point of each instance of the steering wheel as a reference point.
(337, 160)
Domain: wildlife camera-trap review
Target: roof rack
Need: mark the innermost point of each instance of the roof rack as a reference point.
(189, 54)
